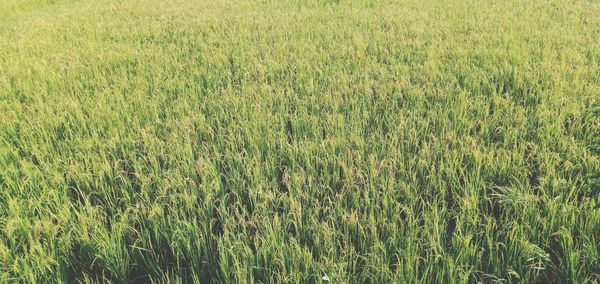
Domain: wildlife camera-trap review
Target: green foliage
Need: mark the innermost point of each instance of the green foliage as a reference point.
(299, 141)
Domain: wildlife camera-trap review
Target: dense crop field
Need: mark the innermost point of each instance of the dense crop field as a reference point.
(300, 141)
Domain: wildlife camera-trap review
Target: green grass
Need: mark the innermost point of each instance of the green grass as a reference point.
(287, 141)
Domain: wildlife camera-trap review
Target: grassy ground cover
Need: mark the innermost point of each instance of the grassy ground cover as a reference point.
(295, 141)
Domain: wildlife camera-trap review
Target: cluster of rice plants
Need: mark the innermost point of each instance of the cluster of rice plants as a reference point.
(378, 141)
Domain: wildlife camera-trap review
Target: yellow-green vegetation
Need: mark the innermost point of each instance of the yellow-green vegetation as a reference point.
(299, 141)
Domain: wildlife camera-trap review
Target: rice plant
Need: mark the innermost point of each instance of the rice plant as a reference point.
(379, 141)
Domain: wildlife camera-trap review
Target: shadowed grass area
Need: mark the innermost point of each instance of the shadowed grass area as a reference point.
(288, 141)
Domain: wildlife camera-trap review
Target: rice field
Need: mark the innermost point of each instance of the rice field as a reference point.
(377, 141)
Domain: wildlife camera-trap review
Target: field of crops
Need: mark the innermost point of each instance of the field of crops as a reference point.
(296, 141)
